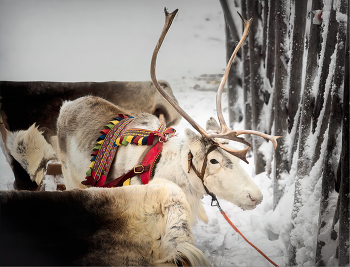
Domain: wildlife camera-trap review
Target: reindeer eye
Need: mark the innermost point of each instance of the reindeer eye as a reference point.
(214, 161)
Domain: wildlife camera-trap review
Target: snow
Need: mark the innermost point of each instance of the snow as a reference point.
(114, 40)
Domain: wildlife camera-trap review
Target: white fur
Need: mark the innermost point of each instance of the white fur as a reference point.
(32, 151)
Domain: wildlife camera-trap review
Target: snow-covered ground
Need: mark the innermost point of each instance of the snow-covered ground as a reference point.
(114, 40)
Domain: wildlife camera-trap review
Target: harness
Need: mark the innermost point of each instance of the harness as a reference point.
(115, 135)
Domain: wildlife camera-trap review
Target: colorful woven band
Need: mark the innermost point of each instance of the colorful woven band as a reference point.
(102, 160)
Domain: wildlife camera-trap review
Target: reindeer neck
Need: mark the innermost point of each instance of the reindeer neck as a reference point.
(173, 167)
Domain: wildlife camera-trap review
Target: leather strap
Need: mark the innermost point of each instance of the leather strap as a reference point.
(151, 159)
(204, 166)
(120, 180)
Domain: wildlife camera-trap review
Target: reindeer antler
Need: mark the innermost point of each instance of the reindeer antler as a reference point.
(225, 131)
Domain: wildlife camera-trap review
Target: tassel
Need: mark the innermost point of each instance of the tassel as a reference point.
(124, 142)
(121, 140)
(97, 147)
(88, 173)
(94, 158)
(94, 153)
(92, 165)
(129, 138)
(105, 131)
(101, 137)
(117, 142)
(99, 142)
(110, 126)
(136, 140)
(144, 140)
(127, 182)
(150, 139)
(140, 141)
(113, 122)
(133, 140)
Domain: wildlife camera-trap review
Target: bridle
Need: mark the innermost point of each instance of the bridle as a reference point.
(204, 166)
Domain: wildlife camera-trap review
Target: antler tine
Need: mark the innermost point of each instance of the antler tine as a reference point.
(266, 136)
(169, 17)
(224, 128)
(241, 154)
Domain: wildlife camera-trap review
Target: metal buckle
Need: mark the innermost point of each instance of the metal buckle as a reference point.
(143, 168)
(216, 204)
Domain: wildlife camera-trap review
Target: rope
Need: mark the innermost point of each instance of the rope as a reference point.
(236, 229)
(239, 232)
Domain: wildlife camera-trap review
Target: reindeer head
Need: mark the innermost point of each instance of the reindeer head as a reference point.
(223, 175)
(219, 160)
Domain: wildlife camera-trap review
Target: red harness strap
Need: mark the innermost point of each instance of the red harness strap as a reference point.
(145, 169)
(151, 159)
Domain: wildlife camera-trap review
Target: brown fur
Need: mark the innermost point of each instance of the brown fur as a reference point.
(129, 226)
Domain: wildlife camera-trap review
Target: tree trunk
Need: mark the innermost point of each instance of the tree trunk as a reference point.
(270, 56)
(304, 159)
(281, 125)
(233, 81)
(307, 102)
(296, 75)
(246, 80)
(256, 82)
(325, 74)
(344, 214)
(296, 60)
(331, 158)
(265, 13)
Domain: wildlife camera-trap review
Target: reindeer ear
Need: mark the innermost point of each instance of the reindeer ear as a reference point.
(195, 144)
(191, 136)
(213, 125)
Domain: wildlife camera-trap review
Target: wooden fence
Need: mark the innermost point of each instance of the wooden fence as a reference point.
(293, 74)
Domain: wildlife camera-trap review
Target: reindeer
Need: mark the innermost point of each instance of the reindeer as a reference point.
(220, 174)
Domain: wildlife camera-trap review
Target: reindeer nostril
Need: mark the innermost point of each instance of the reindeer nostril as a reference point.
(251, 198)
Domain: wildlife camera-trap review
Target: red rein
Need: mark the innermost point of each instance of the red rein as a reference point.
(236, 229)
